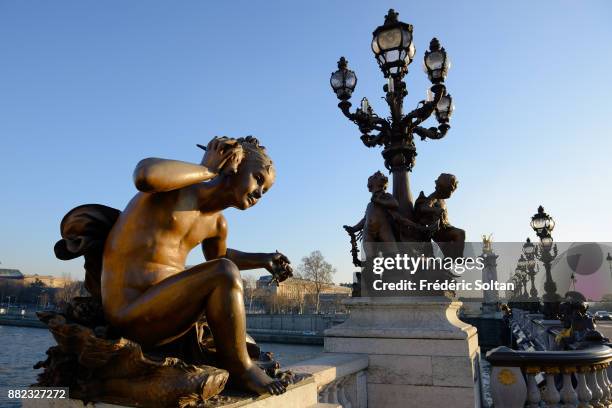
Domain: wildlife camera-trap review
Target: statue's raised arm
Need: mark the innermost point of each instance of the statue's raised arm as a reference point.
(154, 175)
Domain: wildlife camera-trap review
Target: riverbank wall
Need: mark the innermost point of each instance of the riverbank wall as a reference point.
(291, 328)
(275, 328)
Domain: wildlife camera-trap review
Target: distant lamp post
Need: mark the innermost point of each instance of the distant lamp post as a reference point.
(523, 277)
(609, 259)
(517, 287)
(521, 264)
(394, 50)
(573, 280)
(529, 252)
(542, 223)
(546, 252)
(519, 278)
(521, 273)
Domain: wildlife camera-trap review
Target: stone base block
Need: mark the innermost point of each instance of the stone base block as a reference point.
(393, 395)
(418, 351)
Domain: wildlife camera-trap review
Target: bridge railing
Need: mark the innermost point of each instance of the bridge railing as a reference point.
(539, 331)
(577, 378)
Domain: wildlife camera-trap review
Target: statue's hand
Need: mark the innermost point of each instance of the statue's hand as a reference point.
(348, 229)
(223, 154)
(279, 266)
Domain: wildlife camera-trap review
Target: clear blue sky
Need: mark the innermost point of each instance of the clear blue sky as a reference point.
(87, 89)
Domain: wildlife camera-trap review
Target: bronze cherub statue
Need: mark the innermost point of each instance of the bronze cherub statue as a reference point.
(382, 222)
(431, 211)
(385, 229)
(135, 270)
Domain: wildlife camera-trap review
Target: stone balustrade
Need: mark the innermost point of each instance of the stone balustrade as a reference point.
(540, 332)
(340, 378)
(577, 378)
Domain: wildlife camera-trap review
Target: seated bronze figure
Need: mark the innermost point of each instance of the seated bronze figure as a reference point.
(135, 261)
(384, 223)
(431, 211)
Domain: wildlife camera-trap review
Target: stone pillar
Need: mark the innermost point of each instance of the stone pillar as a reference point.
(489, 273)
(420, 353)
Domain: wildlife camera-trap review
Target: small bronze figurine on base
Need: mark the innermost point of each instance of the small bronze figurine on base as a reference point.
(431, 211)
(382, 221)
(385, 227)
(143, 298)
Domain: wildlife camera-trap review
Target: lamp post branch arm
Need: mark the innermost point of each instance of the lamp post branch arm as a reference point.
(425, 108)
(367, 122)
(432, 132)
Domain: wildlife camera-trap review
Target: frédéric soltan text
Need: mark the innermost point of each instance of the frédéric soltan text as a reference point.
(457, 266)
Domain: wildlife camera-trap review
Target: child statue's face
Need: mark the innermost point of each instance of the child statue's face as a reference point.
(444, 187)
(250, 183)
(376, 184)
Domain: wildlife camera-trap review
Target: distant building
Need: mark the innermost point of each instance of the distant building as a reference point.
(299, 293)
(293, 286)
(10, 274)
(48, 280)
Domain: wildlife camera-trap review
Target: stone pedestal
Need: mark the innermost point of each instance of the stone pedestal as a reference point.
(420, 353)
(490, 303)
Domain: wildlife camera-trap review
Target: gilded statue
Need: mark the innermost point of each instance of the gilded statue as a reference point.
(135, 259)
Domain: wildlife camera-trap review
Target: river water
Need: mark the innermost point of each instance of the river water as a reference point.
(22, 347)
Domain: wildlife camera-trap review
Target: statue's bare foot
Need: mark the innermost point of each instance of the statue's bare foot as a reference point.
(255, 379)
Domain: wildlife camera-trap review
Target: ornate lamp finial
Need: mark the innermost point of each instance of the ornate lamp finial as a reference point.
(391, 17)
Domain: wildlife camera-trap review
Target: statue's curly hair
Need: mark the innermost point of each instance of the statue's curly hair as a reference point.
(451, 179)
(382, 177)
(254, 151)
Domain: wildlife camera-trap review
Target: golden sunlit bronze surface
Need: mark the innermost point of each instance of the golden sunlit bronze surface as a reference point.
(142, 292)
(146, 291)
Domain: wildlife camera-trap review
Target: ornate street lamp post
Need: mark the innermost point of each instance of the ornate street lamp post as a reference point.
(511, 295)
(521, 274)
(394, 50)
(520, 293)
(530, 263)
(573, 280)
(525, 278)
(546, 252)
(517, 287)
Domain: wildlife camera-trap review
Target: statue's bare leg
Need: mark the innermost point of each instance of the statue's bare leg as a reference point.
(169, 308)
(451, 241)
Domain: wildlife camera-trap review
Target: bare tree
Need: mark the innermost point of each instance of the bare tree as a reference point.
(301, 290)
(315, 268)
(250, 290)
(69, 291)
